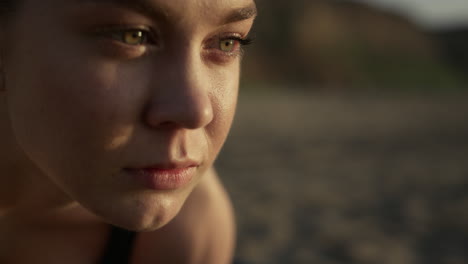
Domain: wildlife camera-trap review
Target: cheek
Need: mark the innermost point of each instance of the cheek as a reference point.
(224, 107)
(65, 110)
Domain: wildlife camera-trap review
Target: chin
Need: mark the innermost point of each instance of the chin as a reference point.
(141, 213)
(150, 222)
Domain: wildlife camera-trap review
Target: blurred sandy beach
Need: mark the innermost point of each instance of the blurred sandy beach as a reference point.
(349, 179)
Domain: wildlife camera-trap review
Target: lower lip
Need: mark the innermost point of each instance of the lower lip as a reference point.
(163, 179)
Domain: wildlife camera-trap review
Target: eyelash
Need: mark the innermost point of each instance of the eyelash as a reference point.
(246, 41)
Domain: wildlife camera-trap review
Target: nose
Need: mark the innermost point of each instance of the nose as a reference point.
(181, 95)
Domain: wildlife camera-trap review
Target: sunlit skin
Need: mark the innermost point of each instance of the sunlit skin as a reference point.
(93, 91)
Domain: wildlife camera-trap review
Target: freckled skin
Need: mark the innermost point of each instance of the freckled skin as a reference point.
(78, 108)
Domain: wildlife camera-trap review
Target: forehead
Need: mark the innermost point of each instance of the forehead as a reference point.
(229, 10)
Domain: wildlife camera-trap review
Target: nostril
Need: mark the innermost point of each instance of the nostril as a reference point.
(185, 112)
(202, 118)
(197, 115)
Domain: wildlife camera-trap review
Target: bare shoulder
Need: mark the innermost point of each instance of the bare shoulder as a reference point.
(203, 232)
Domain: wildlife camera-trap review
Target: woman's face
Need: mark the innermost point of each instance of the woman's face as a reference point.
(124, 104)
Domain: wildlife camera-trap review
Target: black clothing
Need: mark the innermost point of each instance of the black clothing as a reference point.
(119, 247)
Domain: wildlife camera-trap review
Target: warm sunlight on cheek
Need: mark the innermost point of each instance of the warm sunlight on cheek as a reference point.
(121, 138)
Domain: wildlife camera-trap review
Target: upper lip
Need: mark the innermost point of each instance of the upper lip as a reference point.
(170, 165)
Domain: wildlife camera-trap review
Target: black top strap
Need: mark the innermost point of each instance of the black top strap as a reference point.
(119, 247)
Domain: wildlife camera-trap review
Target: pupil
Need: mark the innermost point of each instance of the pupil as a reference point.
(227, 44)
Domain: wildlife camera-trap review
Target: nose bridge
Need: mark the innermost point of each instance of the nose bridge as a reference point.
(181, 93)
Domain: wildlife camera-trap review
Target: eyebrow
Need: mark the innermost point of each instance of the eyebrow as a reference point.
(241, 14)
(145, 7)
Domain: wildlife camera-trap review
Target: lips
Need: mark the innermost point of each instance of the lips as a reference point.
(170, 176)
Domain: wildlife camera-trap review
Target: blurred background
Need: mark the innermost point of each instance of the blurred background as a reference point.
(350, 144)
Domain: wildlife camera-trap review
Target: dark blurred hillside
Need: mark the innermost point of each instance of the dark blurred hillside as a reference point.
(343, 44)
(454, 46)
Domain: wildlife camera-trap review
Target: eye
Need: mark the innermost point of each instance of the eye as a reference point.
(133, 37)
(125, 41)
(225, 48)
(232, 44)
(227, 45)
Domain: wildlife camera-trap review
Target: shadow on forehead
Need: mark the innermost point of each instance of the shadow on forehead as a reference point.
(154, 10)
